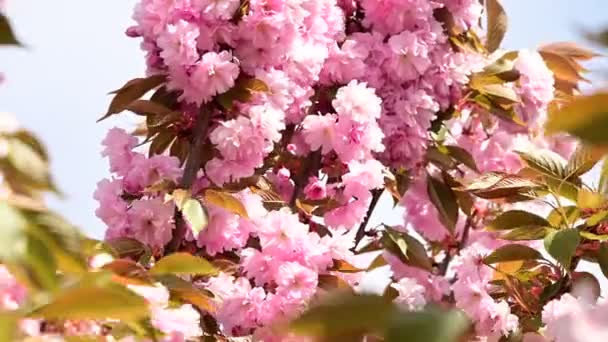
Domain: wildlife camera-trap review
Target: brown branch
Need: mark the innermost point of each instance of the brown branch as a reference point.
(193, 165)
(361, 231)
(443, 268)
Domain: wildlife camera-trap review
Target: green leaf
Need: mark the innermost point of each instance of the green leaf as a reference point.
(517, 219)
(594, 237)
(406, 248)
(95, 302)
(344, 314)
(562, 245)
(40, 264)
(7, 36)
(589, 200)
(8, 325)
(603, 184)
(62, 239)
(132, 91)
(429, 326)
(513, 252)
(444, 199)
(585, 117)
(546, 162)
(526, 233)
(13, 226)
(602, 258)
(183, 264)
(195, 215)
(225, 201)
(497, 24)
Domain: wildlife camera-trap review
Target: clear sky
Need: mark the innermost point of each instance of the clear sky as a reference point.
(77, 53)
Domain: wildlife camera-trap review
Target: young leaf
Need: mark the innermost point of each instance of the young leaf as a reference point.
(183, 264)
(581, 162)
(242, 91)
(562, 245)
(445, 201)
(517, 219)
(132, 91)
(497, 24)
(195, 215)
(185, 291)
(225, 201)
(95, 302)
(494, 185)
(513, 252)
(570, 50)
(7, 37)
(463, 156)
(345, 267)
(407, 248)
(9, 321)
(585, 117)
(127, 247)
(546, 162)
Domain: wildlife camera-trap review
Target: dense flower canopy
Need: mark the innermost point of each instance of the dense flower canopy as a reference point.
(275, 127)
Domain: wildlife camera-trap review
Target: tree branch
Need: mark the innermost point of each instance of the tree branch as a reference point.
(443, 268)
(193, 164)
(361, 231)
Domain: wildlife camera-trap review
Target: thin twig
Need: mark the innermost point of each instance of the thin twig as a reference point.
(193, 164)
(443, 268)
(361, 231)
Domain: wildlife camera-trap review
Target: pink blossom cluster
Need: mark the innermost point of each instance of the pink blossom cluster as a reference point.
(126, 204)
(387, 68)
(279, 275)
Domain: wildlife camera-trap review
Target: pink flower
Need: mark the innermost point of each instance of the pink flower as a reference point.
(316, 189)
(296, 282)
(184, 320)
(411, 294)
(118, 148)
(219, 9)
(357, 102)
(225, 232)
(319, 131)
(411, 56)
(12, 293)
(152, 221)
(178, 44)
(214, 74)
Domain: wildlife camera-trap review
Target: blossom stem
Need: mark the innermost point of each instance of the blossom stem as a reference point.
(361, 231)
(193, 164)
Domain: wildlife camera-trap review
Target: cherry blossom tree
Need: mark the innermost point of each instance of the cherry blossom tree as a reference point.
(239, 207)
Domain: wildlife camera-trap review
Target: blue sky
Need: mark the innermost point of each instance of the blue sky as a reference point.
(76, 53)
